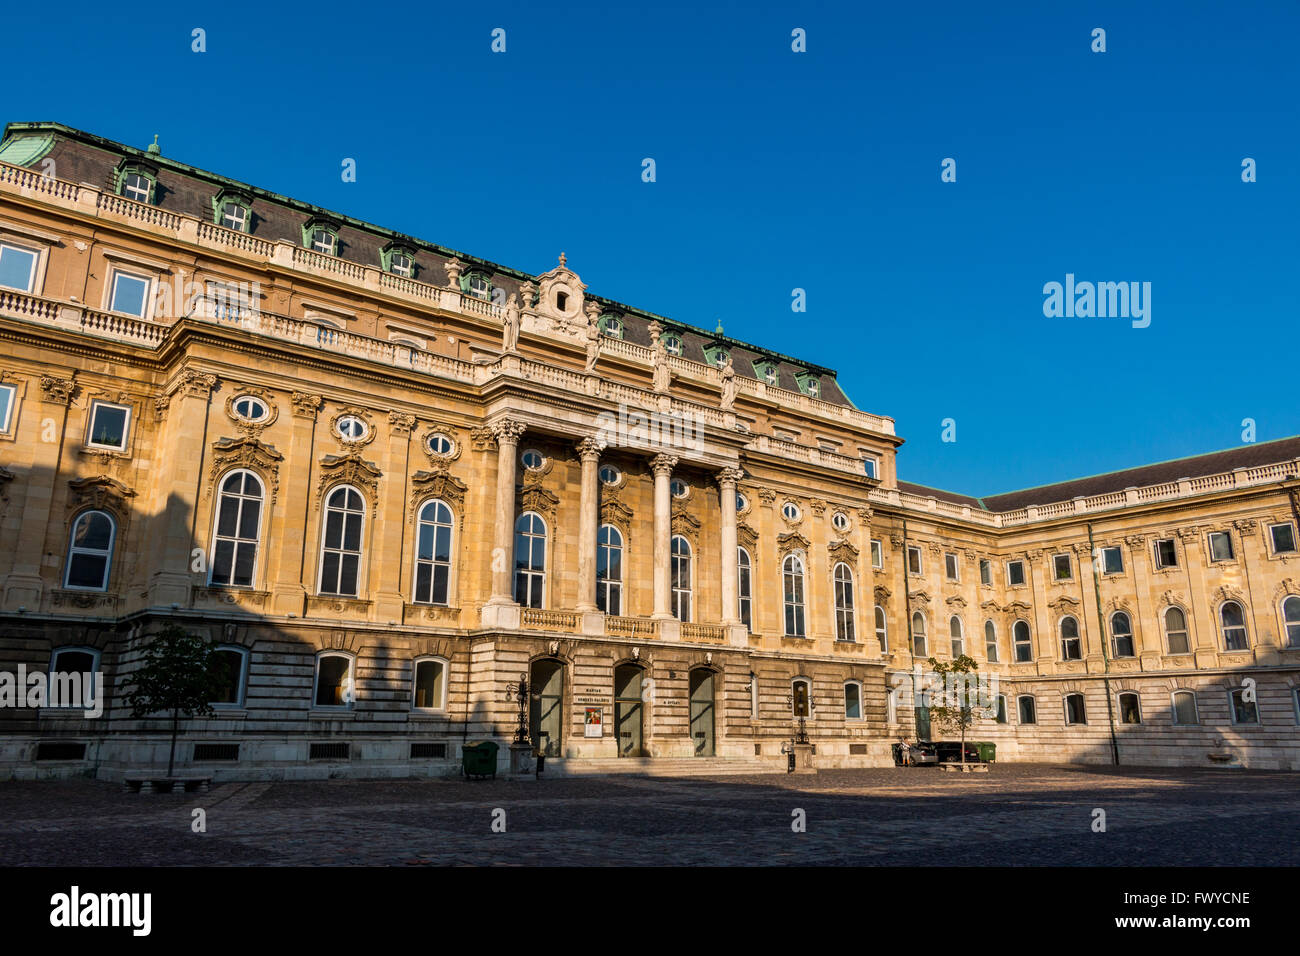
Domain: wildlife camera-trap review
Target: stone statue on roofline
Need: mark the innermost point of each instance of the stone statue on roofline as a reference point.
(593, 336)
(510, 325)
(662, 375)
(729, 385)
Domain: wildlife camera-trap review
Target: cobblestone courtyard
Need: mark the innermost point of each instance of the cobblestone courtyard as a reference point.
(1015, 815)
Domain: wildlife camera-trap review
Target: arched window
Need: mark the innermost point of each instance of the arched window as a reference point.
(76, 688)
(1121, 633)
(1075, 711)
(340, 560)
(433, 554)
(609, 570)
(991, 642)
(333, 680)
(1234, 626)
(238, 527)
(958, 636)
(1130, 709)
(1026, 710)
(918, 635)
(801, 697)
(681, 578)
(844, 630)
(1184, 708)
(530, 559)
(1071, 646)
(1024, 642)
(229, 669)
(1176, 631)
(429, 684)
(1291, 619)
(745, 588)
(852, 700)
(792, 574)
(90, 551)
(882, 630)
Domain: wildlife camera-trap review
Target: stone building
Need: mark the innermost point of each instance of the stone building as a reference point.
(388, 480)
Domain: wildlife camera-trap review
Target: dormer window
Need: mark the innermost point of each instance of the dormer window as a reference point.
(766, 372)
(398, 260)
(234, 216)
(673, 344)
(477, 285)
(322, 237)
(611, 325)
(809, 384)
(233, 211)
(715, 355)
(136, 183)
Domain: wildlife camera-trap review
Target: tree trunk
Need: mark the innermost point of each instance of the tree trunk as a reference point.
(963, 743)
(171, 757)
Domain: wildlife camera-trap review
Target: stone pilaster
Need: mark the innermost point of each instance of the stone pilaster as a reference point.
(288, 592)
(662, 466)
(727, 479)
(588, 524)
(501, 609)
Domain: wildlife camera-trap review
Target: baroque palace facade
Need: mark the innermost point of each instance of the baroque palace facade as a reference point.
(388, 480)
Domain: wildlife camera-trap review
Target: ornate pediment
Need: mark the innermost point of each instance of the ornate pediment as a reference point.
(1172, 599)
(536, 498)
(613, 511)
(955, 600)
(1287, 586)
(1226, 592)
(247, 452)
(560, 300)
(437, 484)
(792, 541)
(746, 536)
(685, 524)
(100, 491)
(352, 470)
(1018, 608)
(882, 594)
(921, 598)
(842, 550)
(1065, 604)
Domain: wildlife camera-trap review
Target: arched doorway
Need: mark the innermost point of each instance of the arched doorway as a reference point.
(546, 716)
(629, 710)
(702, 729)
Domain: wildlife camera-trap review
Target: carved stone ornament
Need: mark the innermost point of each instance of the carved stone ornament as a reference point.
(663, 465)
(102, 493)
(246, 452)
(766, 495)
(253, 429)
(685, 524)
(400, 423)
(351, 470)
(507, 432)
(353, 444)
(746, 537)
(842, 551)
(306, 405)
(426, 485)
(613, 511)
(482, 438)
(538, 499)
(440, 460)
(57, 391)
(792, 541)
(193, 382)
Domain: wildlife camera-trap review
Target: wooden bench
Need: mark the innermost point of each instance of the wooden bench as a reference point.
(147, 781)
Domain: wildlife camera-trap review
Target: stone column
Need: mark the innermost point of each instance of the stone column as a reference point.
(588, 524)
(866, 596)
(388, 582)
(507, 435)
(662, 465)
(288, 593)
(23, 586)
(727, 479)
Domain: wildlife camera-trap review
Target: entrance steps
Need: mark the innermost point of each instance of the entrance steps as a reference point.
(659, 766)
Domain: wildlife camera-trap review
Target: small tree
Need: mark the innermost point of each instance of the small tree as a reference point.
(176, 675)
(956, 710)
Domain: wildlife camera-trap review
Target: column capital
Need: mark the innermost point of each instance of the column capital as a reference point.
(507, 432)
(866, 514)
(663, 465)
(729, 476)
(58, 391)
(306, 405)
(589, 449)
(401, 423)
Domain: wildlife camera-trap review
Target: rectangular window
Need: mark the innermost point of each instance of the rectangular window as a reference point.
(1166, 553)
(17, 267)
(1185, 708)
(234, 216)
(1282, 537)
(869, 466)
(852, 702)
(986, 572)
(1015, 572)
(1130, 709)
(950, 567)
(108, 425)
(877, 554)
(1220, 546)
(1074, 709)
(323, 241)
(130, 293)
(1112, 561)
(1061, 568)
(914, 560)
(8, 393)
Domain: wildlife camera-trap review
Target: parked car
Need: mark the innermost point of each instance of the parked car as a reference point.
(922, 752)
(949, 751)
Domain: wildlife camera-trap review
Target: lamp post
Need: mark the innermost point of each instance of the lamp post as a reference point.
(519, 691)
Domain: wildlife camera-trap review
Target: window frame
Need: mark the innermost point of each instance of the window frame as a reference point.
(1057, 575)
(1077, 638)
(609, 586)
(880, 622)
(913, 549)
(1106, 569)
(1233, 692)
(1210, 538)
(845, 613)
(1115, 635)
(236, 540)
(995, 657)
(350, 681)
(951, 567)
(360, 553)
(1119, 706)
(536, 579)
(1083, 708)
(923, 632)
(1016, 643)
(241, 680)
(677, 592)
(8, 419)
(1020, 709)
(745, 583)
(1224, 627)
(792, 603)
(877, 554)
(1018, 563)
(97, 404)
(794, 697)
(434, 563)
(443, 682)
(857, 686)
(37, 253)
(150, 281)
(96, 658)
(1160, 563)
(986, 573)
(1186, 631)
(1292, 638)
(107, 553)
(1272, 539)
(957, 643)
(1196, 707)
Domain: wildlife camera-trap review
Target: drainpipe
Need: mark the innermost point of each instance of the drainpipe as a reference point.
(1101, 621)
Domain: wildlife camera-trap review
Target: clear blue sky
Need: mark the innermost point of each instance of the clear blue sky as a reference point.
(778, 170)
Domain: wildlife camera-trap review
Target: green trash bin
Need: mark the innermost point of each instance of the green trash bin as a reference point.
(988, 752)
(480, 759)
